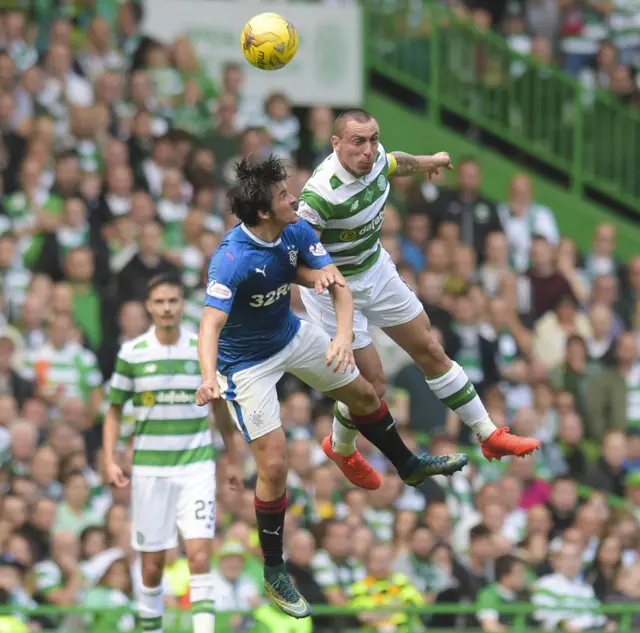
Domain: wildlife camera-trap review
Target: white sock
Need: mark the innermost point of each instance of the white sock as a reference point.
(202, 603)
(456, 391)
(343, 438)
(151, 609)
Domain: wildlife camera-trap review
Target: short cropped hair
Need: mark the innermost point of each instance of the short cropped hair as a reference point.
(354, 114)
(164, 279)
(251, 192)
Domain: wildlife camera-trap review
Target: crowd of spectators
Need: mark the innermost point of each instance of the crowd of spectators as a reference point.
(596, 41)
(116, 151)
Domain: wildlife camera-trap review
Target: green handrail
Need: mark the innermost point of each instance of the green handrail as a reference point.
(82, 618)
(587, 135)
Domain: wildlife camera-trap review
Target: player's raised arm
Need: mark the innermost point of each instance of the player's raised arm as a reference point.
(403, 164)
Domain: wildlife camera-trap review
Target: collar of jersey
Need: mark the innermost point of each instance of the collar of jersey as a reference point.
(151, 333)
(257, 240)
(346, 177)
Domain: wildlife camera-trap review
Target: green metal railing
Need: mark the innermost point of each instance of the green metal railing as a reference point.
(82, 619)
(588, 135)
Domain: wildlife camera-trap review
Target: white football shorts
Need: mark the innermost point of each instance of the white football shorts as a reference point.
(251, 393)
(380, 296)
(163, 506)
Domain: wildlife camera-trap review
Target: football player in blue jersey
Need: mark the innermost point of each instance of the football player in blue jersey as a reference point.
(249, 338)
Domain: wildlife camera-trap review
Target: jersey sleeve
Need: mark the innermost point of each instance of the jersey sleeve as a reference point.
(225, 275)
(313, 253)
(314, 209)
(91, 371)
(121, 384)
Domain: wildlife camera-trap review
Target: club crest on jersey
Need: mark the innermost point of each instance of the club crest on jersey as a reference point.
(317, 249)
(190, 367)
(293, 255)
(382, 182)
(218, 290)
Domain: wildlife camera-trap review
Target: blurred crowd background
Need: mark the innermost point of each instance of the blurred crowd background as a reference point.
(116, 151)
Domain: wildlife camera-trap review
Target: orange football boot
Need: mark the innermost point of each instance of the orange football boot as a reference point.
(502, 443)
(354, 467)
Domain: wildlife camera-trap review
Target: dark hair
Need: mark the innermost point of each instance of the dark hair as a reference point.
(231, 66)
(504, 565)
(66, 155)
(355, 114)
(71, 474)
(251, 192)
(478, 532)
(164, 279)
(89, 530)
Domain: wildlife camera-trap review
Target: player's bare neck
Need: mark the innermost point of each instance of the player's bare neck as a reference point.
(266, 231)
(167, 335)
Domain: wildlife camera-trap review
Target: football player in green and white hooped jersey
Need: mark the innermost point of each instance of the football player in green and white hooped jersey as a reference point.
(173, 478)
(344, 201)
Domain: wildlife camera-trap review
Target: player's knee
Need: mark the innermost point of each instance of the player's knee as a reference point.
(274, 471)
(379, 386)
(199, 561)
(152, 569)
(430, 355)
(364, 399)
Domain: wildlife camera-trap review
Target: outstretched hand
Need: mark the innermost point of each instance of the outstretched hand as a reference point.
(340, 354)
(439, 161)
(328, 278)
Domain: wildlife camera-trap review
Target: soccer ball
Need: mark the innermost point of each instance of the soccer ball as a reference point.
(269, 42)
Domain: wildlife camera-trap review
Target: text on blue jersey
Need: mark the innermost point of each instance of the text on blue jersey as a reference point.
(250, 280)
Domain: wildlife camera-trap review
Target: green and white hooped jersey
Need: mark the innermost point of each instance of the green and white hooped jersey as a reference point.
(348, 210)
(171, 434)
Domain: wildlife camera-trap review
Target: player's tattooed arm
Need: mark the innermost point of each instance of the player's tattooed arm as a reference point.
(407, 164)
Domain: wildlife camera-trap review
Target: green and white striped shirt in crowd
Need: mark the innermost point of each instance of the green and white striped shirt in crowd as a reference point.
(171, 435)
(559, 599)
(625, 24)
(594, 30)
(348, 210)
(332, 575)
(633, 397)
(72, 370)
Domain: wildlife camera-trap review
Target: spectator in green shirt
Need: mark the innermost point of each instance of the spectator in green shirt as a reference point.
(510, 582)
(73, 515)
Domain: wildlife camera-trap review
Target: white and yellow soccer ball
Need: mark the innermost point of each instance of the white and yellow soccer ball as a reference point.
(269, 41)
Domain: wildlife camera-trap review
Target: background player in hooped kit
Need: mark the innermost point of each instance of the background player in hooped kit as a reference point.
(173, 478)
(344, 202)
(249, 338)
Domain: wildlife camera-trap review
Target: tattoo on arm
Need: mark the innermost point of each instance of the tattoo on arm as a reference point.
(406, 164)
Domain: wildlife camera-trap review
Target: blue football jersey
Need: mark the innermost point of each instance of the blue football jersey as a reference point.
(250, 279)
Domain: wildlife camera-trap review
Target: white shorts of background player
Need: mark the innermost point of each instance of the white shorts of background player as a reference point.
(380, 297)
(251, 393)
(164, 506)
